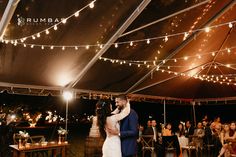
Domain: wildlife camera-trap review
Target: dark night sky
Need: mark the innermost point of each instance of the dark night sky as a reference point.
(175, 112)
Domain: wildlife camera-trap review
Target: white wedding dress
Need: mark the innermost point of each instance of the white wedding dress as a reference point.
(112, 146)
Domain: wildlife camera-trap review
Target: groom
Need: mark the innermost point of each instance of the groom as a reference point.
(128, 129)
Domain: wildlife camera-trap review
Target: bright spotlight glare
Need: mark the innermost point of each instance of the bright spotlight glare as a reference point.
(13, 116)
(67, 95)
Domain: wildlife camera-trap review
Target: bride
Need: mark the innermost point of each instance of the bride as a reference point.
(108, 120)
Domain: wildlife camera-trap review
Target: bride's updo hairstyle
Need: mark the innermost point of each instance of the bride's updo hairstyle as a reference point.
(103, 110)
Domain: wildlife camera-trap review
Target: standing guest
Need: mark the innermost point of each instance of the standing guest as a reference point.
(189, 129)
(216, 124)
(152, 130)
(149, 123)
(199, 133)
(208, 133)
(157, 143)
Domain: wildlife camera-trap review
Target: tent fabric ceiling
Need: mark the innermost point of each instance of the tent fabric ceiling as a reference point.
(57, 68)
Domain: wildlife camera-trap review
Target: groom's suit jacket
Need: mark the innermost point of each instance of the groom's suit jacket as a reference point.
(129, 134)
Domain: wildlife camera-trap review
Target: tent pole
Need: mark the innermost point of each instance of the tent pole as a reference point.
(6, 18)
(164, 112)
(194, 114)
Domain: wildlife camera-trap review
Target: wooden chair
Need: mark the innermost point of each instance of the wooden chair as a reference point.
(170, 144)
(190, 147)
(37, 139)
(147, 144)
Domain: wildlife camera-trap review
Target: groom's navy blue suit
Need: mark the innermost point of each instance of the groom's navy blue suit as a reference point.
(129, 134)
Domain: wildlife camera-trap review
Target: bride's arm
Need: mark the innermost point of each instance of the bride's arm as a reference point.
(123, 113)
(116, 111)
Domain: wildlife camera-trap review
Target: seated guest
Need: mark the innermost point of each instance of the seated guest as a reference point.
(140, 133)
(228, 137)
(223, 136)
(180, 131)
(183, 141)
(232, 132)
(167, 131)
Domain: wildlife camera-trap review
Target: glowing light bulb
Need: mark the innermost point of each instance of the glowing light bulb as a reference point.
(33, 37)
(131, 43)
(166, 38)
(185, 36)
(230, 25)
(76, 14)
(64, 21)
(42, 47)
(38, 35)
(24, 45)
(228, 65)
(207, 29)
(116, 45)
(148, 41)
(32, 46)
(76, 48)
(63, 47)
(47, 31)
(91, 5)
(55, 27)
(51, 47)
(87, 47)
